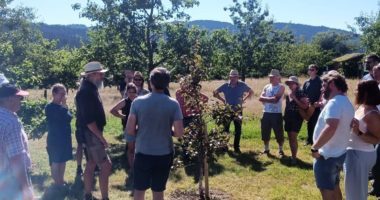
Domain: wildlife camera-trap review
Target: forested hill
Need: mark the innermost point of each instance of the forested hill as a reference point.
(72, 35)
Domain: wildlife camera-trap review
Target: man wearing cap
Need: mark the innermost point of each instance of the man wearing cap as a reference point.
(234, 95)
(312, 88)
(91, 120)
(271, 97)
(14, 153)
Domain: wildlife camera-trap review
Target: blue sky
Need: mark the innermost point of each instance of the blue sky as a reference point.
(330, 13)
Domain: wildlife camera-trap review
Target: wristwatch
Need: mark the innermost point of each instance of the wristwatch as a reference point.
(313, 150)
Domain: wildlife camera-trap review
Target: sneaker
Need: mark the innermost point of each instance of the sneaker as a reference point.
(293, 161)
(281, 153)
(265, 152)
(89, 197)
(79, 171)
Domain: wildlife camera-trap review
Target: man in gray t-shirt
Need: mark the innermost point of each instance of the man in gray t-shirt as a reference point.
(151, 119)
(235, 93)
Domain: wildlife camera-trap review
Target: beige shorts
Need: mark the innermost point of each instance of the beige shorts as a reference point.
(95, 149)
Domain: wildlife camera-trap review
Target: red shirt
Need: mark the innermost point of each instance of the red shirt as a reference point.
(186, 110)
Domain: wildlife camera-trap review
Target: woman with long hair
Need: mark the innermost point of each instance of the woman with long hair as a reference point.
(361, 153)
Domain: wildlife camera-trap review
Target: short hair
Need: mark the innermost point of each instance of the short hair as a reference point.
(338, 79)
(131, 86)
(160, 78)
(315, 66)
(373, 57)
(56, 87)
(367, 93)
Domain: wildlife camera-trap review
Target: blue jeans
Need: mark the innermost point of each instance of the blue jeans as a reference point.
(326, 171)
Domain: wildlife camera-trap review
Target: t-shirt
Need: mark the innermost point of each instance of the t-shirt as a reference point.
(312, 88)
(271, 91)
(339, 107)
(89, 106)
(234, 95)
(367, 77)
(155, 114)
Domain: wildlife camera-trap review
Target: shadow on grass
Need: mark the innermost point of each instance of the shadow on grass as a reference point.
(286, 160)
(248, 159)
(70, 191)
(39, 180)
(193, 168)
(118, 157)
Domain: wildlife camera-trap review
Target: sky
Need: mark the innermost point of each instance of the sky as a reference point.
(330, 13)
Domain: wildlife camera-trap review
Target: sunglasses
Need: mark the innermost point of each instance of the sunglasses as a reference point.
(138, 79)
(312, 69)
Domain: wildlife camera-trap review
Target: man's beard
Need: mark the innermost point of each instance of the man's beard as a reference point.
(99, 84)
(326, 93)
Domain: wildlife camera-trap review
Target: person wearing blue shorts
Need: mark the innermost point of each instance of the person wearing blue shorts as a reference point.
(331, 136)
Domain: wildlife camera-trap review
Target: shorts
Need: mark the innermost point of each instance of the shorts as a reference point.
(151, 171)
(79, 136)
(293, 122)
(95, 149)
(269, 121)
(326, 171)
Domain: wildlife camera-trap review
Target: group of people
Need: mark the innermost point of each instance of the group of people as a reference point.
(340, 137)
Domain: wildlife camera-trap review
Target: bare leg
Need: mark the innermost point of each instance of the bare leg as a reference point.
(89, 176)
(158, 195)
(55, 173)
(139, 195)
(131, 154)
(293, 143)
(105, 172)
(62, 167)
(79, 155)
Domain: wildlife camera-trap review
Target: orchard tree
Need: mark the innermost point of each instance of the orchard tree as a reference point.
(369, 25)
(134, 29)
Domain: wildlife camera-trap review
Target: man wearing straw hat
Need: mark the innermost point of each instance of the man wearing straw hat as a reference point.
(14, 154)
(91, 120)
(271, 97)
(234, 95)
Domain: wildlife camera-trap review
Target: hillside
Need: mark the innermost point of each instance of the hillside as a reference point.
(72, 35)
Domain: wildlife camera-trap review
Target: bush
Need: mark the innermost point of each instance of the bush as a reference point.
(33, 117)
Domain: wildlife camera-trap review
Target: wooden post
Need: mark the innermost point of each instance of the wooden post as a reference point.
(205, 165)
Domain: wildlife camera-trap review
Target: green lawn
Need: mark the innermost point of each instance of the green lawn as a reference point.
(248, 175)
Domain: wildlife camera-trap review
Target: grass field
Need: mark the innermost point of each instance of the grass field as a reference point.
(249, 175)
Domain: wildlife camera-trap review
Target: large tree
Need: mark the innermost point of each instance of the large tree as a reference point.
(256, 40)
(369, 25)
(132, 30)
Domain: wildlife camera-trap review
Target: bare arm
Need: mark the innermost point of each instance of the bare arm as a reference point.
(131, 125)
(217, 95)
(94, 129)
(178, 128)
(327, 133)
(249, 96)
(20, 173)
(116, 108)
(372, 135)
(273, 99)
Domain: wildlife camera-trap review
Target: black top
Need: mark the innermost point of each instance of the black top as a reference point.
(125, 110)
(312, 89)
(291, 105)
(89, 106)
(58, 121)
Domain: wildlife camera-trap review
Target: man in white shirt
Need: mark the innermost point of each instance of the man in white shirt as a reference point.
(331, 135)
(370, 61)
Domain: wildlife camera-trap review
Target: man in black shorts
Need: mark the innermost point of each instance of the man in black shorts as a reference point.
(154, 143)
